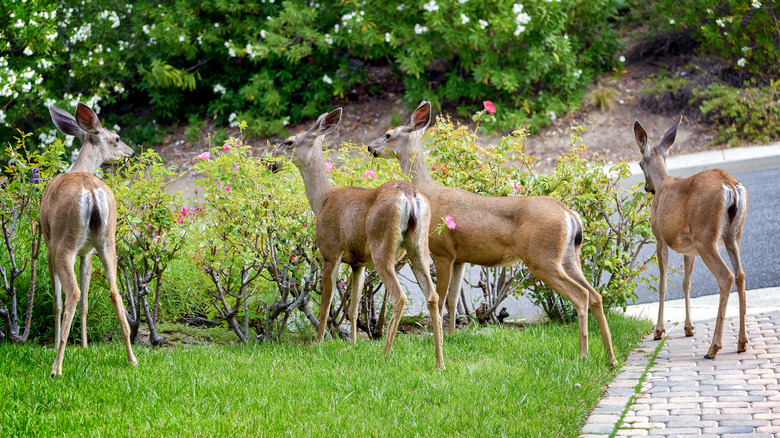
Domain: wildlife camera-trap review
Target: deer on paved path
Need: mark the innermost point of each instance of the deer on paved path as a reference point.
(78, 217)
(695, 216)
(364, 228)
(497, 231)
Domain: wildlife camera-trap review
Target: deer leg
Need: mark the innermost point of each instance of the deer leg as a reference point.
(596, 306)
(386, 273)
(662, 251)
(329, 271)
(67, 276)
(109, 265)
(563, 284)
(356, 289)
(456, 281)
(710, 256)
(689, 259)
(85, 272)
(422, 274)
(732, 248)
(57, 298)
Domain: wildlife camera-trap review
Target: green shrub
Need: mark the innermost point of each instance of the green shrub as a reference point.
(751, 113)
(270, 63)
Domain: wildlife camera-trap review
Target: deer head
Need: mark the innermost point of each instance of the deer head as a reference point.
(394, 142)
(99, 144)
(653, 161)
(302, 147)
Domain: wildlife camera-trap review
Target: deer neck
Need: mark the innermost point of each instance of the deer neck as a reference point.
(315, 180)
(657, 172)
(412, 163)
(88, 159)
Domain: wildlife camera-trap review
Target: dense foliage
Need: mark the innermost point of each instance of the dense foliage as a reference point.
(273, 62)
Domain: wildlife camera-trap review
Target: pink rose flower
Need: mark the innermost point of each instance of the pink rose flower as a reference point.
(204, 156)
(328, 167)
(369, 174)
(489, 107)
(450, 222)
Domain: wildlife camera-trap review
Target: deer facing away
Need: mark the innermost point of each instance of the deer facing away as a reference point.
(364, 228)
(695, 216)
(497, 231)
(78, 217)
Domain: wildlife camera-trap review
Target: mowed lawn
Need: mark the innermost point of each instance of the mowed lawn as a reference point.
(500, 381)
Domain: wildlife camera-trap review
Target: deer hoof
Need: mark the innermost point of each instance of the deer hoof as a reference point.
(713, 351)
(741, 346)
(658, 334)
(689, 331)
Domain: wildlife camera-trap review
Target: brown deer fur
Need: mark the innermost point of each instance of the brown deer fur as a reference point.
(496, 231)
(364, 228)
(78, 217)
(695, 216)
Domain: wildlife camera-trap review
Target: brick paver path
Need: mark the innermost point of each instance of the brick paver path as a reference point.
(683, 394)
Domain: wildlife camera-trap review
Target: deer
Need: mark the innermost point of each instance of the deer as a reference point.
(497, 231)
(78, 218)
(364, 228)
(695, 216)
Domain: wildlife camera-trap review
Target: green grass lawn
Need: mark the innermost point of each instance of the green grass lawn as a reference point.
(499, 382)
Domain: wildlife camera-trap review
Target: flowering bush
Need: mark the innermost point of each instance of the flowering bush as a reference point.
(272, 62)
(744, 33)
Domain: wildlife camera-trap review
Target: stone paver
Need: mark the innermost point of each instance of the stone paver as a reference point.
(684, 395)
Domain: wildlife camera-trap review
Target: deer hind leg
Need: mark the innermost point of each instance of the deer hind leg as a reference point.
(662, 251)
(419, 264)
(456, 282)
(85, 272)
(563, 284)
(710, 256)
(109, 265)
(67, 279)
(329, 272)
(57, 298)
(733, 250)
(596, 306)
(386, 271)
(356, 290)
(688, 261)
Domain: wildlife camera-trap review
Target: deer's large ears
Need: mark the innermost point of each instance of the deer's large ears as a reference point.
(65, 122)
(87, 119)
(669, 137)
(641, 136)
(420, 117)
(326, 123)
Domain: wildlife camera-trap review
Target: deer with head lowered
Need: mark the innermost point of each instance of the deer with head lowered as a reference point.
(364, 228)
(78, 217)
(695, 216)
(497, 231)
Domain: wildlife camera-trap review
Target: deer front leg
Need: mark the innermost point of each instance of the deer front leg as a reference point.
(456, 282)
(711, 258)
(688, 261)
(356, 289)
(85, 272)
(329, 271)
(663, 258)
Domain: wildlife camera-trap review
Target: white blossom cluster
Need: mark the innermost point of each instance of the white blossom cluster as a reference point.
(419, 30)
(81, 34)
(111, 16)
(431, 6)
(521, 18)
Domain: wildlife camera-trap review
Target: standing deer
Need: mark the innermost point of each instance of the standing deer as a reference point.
(78, 217)
(695, 216)
(497, 231)
(364, 228)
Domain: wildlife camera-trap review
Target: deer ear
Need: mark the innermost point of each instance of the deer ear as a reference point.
(326, 123)
(421, 117)
(669, 137)
(87, 119)
(641, 136)
(65, 122)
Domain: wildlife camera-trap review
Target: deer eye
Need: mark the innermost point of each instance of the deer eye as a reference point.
(288, 143)
(387, 136)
